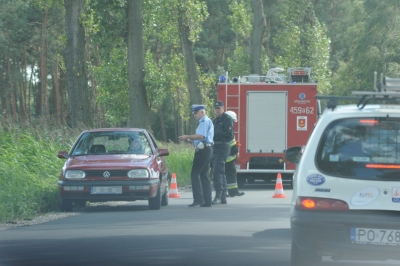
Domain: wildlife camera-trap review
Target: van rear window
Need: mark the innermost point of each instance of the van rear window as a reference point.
(363, 148)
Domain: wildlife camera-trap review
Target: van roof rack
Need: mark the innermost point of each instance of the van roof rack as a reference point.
(362, 100)
(388, 90)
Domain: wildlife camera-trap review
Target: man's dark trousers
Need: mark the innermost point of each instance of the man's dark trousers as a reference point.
(201, 185)
(221, 153)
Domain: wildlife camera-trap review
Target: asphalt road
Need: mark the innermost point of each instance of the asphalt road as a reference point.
(249, 230)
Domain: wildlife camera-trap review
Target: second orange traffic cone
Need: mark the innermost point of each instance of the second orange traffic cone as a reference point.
(279, 188)
(173, 189)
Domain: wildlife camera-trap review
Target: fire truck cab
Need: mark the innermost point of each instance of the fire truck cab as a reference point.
(274, 112)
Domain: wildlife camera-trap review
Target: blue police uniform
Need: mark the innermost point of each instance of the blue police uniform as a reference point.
(201, 185)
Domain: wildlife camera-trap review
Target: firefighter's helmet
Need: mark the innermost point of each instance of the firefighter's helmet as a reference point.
(232, 114)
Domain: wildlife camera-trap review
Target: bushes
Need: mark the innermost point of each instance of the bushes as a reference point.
(29, 168)
(180, 161)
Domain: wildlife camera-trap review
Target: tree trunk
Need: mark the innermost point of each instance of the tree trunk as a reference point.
(162, 124)
(21, 100)
(3, 91)
(56, 94)
(13, 103)
(190, 63)
(13, 106)
(259, 25)
(139, 109)
(75, 61)
(44, 108)
(63, 96)
(24, 89)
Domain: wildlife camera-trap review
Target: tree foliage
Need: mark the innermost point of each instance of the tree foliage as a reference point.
(343, 41)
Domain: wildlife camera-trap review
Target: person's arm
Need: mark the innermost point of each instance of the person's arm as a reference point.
(191, 137)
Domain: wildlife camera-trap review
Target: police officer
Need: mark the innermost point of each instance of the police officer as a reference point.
(223, 134)
(203, 142)
(230, 169)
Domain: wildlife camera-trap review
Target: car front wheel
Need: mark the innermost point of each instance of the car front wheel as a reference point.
(165, 197)
(155, 203)
(66, 205)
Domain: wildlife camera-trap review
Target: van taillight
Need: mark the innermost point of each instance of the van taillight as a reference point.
(320, 204)
(383, 166)
(369, 121)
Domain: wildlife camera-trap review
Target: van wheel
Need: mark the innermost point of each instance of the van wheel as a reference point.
(302, 257)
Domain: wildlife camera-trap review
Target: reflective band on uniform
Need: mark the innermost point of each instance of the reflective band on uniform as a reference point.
(232, 142)
(231, 158)
(231, 186)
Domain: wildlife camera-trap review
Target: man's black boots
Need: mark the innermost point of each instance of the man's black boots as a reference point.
(217, 199)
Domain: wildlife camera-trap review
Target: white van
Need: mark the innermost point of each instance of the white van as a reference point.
(346, 194)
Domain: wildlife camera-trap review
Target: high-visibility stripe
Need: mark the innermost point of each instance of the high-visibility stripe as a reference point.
(232, 142)
(231, 186)
(231, 158)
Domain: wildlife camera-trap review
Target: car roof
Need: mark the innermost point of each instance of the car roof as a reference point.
(116, 129)
(353, 111)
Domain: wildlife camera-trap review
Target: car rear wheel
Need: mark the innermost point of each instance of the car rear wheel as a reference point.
(155, 203)
(165, 197)
(66, 205)
(300, 257)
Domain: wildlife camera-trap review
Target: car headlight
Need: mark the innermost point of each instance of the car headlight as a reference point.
(75, 174)
(138, 173)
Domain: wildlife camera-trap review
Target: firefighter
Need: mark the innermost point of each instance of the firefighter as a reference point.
(203, 142)
(230, 169)
(223, 134)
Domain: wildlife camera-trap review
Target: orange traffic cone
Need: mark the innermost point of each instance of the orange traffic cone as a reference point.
(279, 188)
(173, 189)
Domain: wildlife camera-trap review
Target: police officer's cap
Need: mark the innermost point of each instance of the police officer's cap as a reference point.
(219, 104)
(197, 107)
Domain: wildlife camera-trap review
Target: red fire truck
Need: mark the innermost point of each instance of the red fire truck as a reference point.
(274, 112)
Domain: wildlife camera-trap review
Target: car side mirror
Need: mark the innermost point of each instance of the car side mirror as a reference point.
(63, 155)
(293, 154)
(163, 152)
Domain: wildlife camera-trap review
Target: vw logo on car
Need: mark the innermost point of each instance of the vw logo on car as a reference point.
(106, 174)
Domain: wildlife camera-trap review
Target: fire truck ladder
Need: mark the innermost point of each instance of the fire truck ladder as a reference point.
(234, 108)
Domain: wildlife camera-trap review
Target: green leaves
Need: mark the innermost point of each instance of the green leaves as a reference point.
(303, 42)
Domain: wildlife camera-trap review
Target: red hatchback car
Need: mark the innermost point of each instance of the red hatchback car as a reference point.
(114, 164)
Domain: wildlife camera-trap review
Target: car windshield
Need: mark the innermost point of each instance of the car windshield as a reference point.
(367, 148)
(112, 142)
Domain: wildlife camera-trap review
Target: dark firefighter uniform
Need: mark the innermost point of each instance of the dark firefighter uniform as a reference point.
(230, 171)
(223, 134)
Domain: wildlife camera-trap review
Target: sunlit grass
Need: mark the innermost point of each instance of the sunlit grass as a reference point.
(180, 161)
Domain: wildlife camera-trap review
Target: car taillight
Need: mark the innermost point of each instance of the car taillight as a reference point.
(320, 204)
